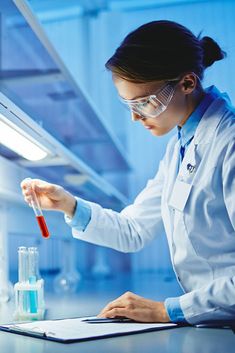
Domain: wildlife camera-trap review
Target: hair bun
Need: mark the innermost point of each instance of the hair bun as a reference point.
(212, 51)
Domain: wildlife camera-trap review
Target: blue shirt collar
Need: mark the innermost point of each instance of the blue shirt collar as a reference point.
(187, 131)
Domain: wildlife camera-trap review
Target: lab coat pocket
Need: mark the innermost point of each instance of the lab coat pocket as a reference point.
(180, 195)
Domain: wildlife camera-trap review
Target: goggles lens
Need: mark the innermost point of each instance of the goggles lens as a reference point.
(152, 106)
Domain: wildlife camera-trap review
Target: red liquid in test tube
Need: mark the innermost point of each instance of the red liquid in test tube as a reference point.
(43, 226)
(38, 212)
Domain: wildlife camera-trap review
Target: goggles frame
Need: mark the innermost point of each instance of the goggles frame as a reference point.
(159, 100)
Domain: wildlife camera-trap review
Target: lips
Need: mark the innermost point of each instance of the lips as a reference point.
(149, 127)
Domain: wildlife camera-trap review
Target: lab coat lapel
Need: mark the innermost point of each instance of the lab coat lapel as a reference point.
(182, 184)
(189, 165)
(203, 137)
(173, 169)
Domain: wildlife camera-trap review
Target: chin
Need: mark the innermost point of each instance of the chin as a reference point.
(158, 132)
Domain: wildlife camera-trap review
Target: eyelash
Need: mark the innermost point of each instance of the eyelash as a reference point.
(145, 103)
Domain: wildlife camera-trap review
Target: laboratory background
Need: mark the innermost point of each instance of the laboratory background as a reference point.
(72, 130)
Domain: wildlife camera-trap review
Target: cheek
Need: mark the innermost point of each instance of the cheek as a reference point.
(174, 112)
(167, 121)
(177, 104)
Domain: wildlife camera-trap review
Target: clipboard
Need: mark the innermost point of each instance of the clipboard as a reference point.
(81, 329)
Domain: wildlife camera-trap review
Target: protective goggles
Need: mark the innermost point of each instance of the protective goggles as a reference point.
(155, 104)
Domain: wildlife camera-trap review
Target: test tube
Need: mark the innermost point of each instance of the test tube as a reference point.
(23, 264)
(33, 263)
(23, 275)
(38, 212)
(33, 277)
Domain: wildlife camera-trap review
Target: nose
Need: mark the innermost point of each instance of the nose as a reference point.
(135, 116)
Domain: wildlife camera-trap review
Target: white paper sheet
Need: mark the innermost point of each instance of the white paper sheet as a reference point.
(76, 329)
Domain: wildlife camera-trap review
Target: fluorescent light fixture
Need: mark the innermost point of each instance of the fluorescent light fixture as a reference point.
(76, 179)
(16, 140)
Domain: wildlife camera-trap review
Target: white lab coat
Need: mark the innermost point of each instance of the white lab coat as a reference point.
(197, 208)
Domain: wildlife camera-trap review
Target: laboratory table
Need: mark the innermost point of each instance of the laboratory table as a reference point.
(91, 297)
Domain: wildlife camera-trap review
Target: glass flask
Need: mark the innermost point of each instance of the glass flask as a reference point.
(68, 279)
(101, 268)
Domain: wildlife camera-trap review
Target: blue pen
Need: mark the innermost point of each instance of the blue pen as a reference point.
(104, 320)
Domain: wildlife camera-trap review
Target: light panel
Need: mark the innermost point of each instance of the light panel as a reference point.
(19, 143)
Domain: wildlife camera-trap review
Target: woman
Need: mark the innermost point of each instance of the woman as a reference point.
(157, 71)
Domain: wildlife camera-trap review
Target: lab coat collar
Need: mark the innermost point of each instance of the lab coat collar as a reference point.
(214, 112)
(187, 131)
(203, 135)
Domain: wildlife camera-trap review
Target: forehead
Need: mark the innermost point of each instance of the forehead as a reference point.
(132, 90)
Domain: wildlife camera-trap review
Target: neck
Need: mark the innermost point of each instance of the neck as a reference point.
(192, 101)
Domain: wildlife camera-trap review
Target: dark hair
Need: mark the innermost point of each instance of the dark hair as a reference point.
(162, 50)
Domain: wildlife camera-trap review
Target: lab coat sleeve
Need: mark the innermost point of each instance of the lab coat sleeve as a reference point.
(216, 300)
(213, 302)
(81, 217)
(133, 227)
(174, 311)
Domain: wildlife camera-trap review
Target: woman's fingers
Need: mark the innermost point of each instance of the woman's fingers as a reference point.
(112, 305)
(40, 187)
(44, 189)
(124, 299)
(124, 304)
(28, 199)
(116, 312)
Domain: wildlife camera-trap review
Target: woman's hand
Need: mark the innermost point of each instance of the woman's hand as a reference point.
(136, 308)
(50, 196)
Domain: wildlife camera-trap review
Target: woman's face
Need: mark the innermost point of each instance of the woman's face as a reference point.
(180, 107)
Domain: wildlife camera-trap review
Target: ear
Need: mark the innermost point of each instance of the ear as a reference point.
(189, 83)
